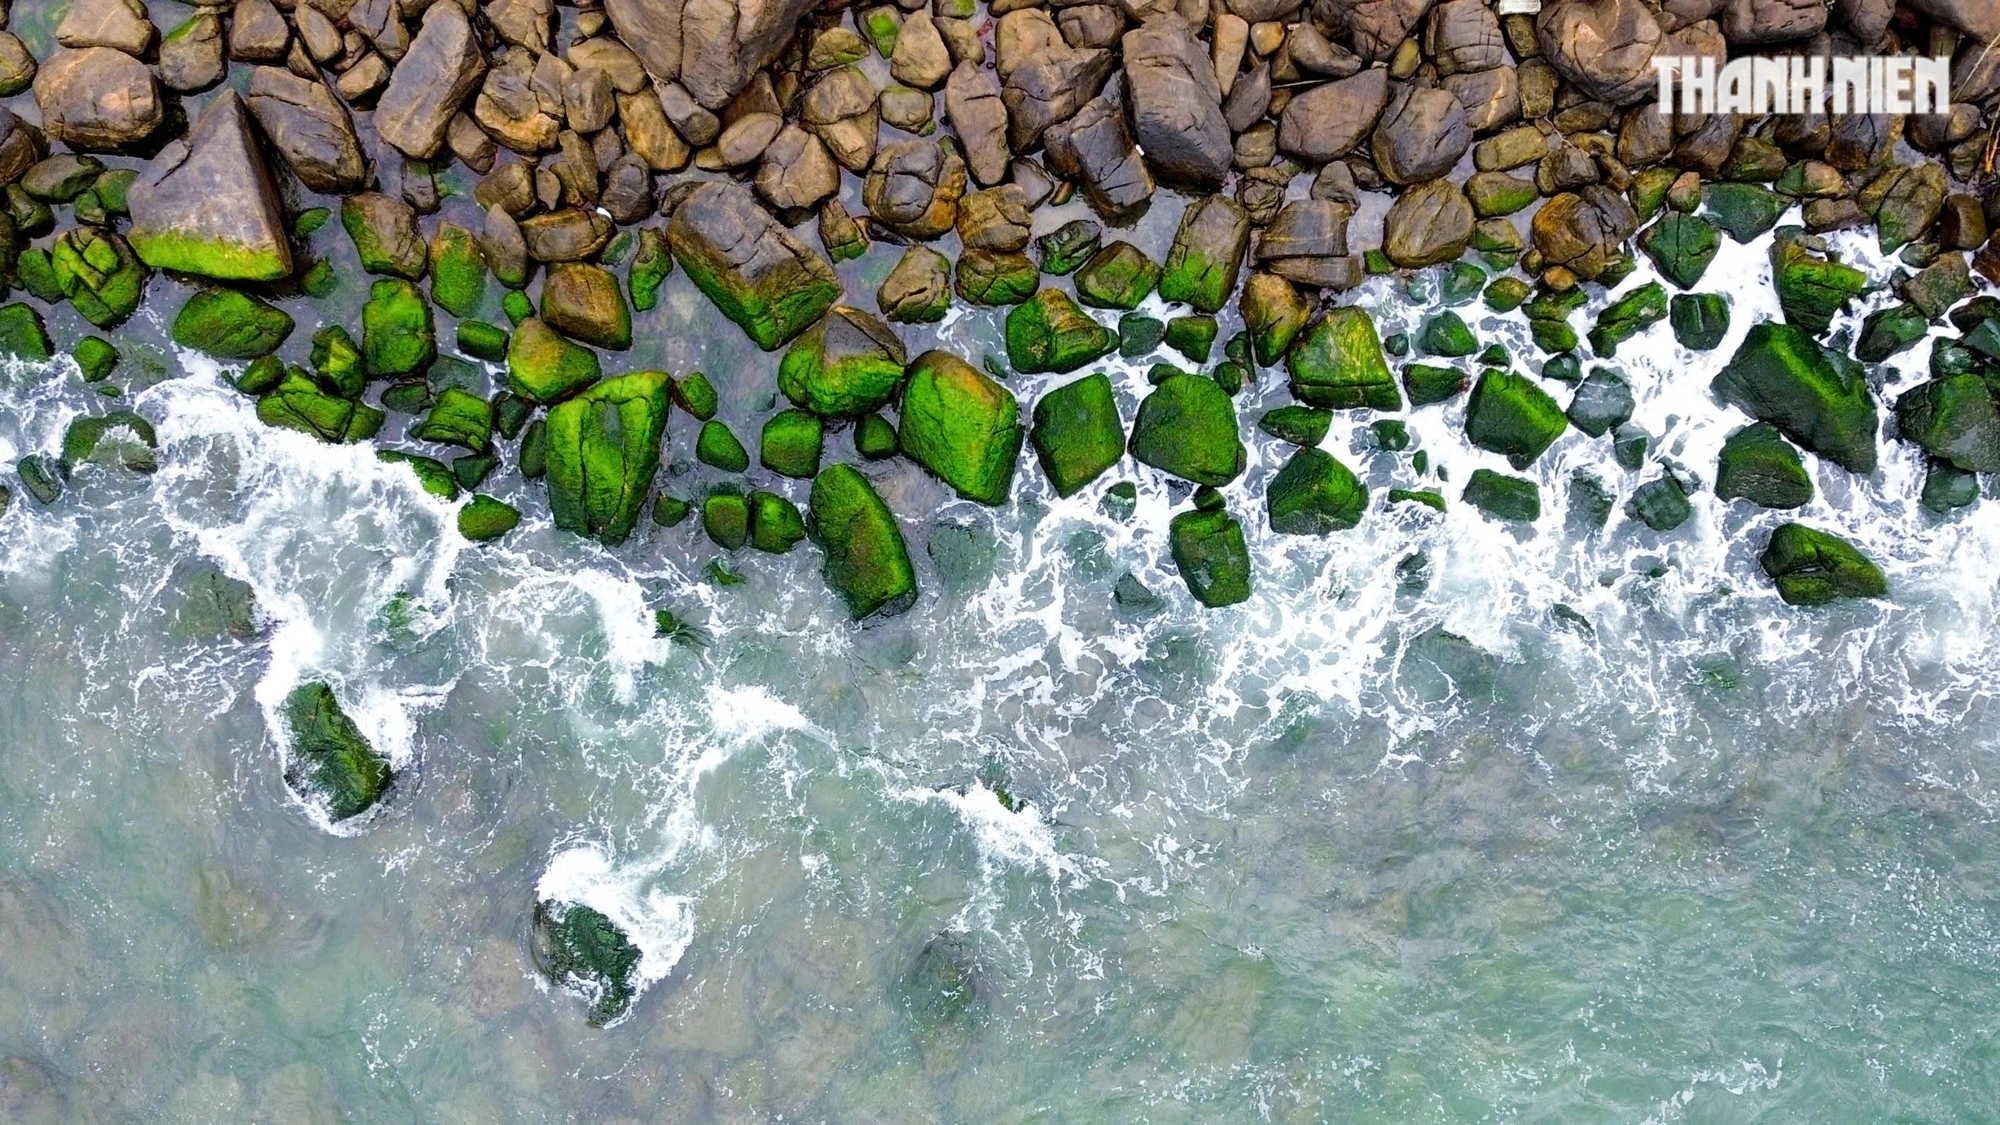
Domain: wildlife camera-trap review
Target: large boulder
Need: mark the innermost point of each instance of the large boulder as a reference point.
(1428, 225)
(229, 324)
(1338, 363)
(96, 98)
(1052, 85)
(444, 65)
(1375, 27)
(712, 48)
(331, 762)
(1811, 567)
(1584, 231)
(578, 948)
(1212, 558)
(771, 284)
(1078, 434)
(603, 449)
(1176, 103)
(1812, 288)
(914, 186)
(310, 128)
(1187, 427)
(1049, 333)
(973, 105)
(1326, 122)
(867, 563)
(119, 24)
(1781, 375)
(1757, 464)
(1510, 415)
(1207, 253)
(1095, 148)
(543, 367)
(1604, 46)
(847, 365)
(1954, 419)
(206, 205)
(1421, 134)
(962, 426)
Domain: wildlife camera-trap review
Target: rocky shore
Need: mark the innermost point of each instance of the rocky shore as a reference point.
(519, 180)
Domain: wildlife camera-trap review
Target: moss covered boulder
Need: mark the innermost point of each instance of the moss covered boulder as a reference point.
(1338, 364)
(1954, 419)
(1628, 316)
(458, 417)
(584, 302)
(1273, 313)
(1049, 333)
(1501, 497)
(331, 761)
(22, 334)
(847, 365)
(1681, 246)
(119, 439)
(579, 949)
(962, 426)
(1510, 415)
(1757, 464)
(1077, 433)
(1207, 253)
(384, 232)
(228, 324)
(1811, 287)
(298, 403)
(771, 284)
(1187, 427)
(99, 274)
(543, 367)
(484, 519)
(1314, 494)
(397, 336)
(1811, 567)
(1781, 375)
(603, 449)
(775, 523)
(867, 563)
(207, 205)
(1209, 551)
(1700, 320)
(790, 444)
(458, 270)
(1118, 276)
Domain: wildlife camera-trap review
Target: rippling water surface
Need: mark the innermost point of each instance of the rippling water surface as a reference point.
(1449, 822)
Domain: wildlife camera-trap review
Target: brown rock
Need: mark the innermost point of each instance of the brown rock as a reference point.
(1583, 231)
(443, 66)
(513, 110)
(1375, 27)
(1094, 148)
(1427, 225)
(589, 99)
(628, 75)
(797, 172)
(917, 289)
(524, 23)
(973, 105)
(119, 24)
(206, 204)
(1049, 87)
(258, 32)
(310, 129)
(504, 248)
(1420, 136)
(1464, 35)
(1605, 47)
(920, 59)
(994, 220)
(1751, 23)
(1326, 122)
(361, 82)
(17, 65)
(651, 136)
(745, 139)
(97, 98)
(1306, 228)
(842, 108)
(914, 188)
(569, 235)
(1175, 104)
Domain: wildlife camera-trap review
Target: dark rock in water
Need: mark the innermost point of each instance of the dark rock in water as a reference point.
(771, 284)
(580, 949)
(1948, 487)
(725, 517)
(1585, 231)
(962, 426)
(298, 403)
(1338, 364)
(1131, 594)
(229, 324)
(1503, 497)
(1681, 246)
(1427, 383)
(918, 289)
(1446, 335)
(207, 205)
(1077, 433)
(1299, 425)
(1954, 419)
(1758, 465)
(42, 476)
(1628, 316)
(847, 365)
(1209, 551)
(964, 553)
(1314, 494)
(1187, 427)
(1428, 225)
(914, 187)
(1207, 253)
(1603, 402)
(603, 449)
(1660, 504)
(1812, 567)
(941, 987)
(1700, 320)
(1812, 288)
(866, 563)
(101, 438)
(1119, 276)
(1510, 415)
(331, 761)
(1891, 330)
(96, 99)
(1782, 376)
(1176, 103)
(1049, 333)
(1095, 148)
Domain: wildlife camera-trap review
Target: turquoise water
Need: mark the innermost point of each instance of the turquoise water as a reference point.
(1450, 822)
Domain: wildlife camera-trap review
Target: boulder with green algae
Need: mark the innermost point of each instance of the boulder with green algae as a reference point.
(207, 205)
(1811, 567)
(1446, 335)
(875, 438)
(543, 367)
(120, 438)
(298, 403)
(1118, 276)
(433, 475)
(847, 365)
(1187, 427)
(791, 442)
(1948, 488)
(725, 517)
(96, 357)
(1781, 375)
(1078, 434)
(1299, 425)
(1049, 333)
(771, 284)
(1700, 320)
(483, 518)
(458, 270)
(775, 523)
(1427, 383)
(1954, 419)
(1681, 246)
(1314, 494)
(1888, 331)
(1660, 504)
(1207, 253)
(458, 417)
(99, 274)
(962, 426)
(992, 277)
(1502, 497)
(696, 395)
(1510, 415)
(228, 324)
(331, 761)
(397, 336)
(918, 288)
(481, 340)
(717, 447)
(1273, 312)
(1338, 364)
(22, 335)
(385, 235)
(866, 563)
(652, 263)
(581, 950)
(41, 475)
(1744, 210)
(1812, 288)
(1068, 246)
(1904, 201)
(583, 302)
(1628, 316)
(1192, 336)
(1209, 551)
(603, 449)
(1757, 464)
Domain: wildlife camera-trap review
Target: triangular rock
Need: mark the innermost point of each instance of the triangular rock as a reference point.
(207, 206)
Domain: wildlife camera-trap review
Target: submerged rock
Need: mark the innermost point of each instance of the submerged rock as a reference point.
(962, 426)
(103, 439)
(580, 949)
(603, 449)
(771, 284)
(331, 761)
(867, 563)
(1812, 567)
(1209, 551)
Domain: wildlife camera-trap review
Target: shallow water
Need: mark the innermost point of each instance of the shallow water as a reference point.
(1561, 825)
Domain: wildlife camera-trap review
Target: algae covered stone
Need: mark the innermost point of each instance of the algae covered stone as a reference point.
(725, 517)
(331, 761)
(458, 270)
(1314, 494)
(1501, 497)
(99, 274)
(1509, 415)
(1207, 253)
(847, 365)
(1811, 288)
(1781, 375)
(543, 367)
(771, 284)
(1628, 316)
(397, 336)
(229, 324)
(1273, 312)
(1700, 320)
(961, 425)
(867, 563)
(1338, 364)
(22, 335)
(483, 519)
(1209, 551)
(790, 445)
(1049, 333)
(718, 447)
(1118, 276)
(775, 523)
(1299, 425)
(1757, 464)
(458, 417)
(584, 302)
(1681, 246)
(1078, 434)
(580, 949)
(1954, 419)
(1187, 427)
(119, 438)
(1812, 567)
(603, 449)
(298, 403)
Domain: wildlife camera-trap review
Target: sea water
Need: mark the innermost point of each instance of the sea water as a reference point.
(1453, 820)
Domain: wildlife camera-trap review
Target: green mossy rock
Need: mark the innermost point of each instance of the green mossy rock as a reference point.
(397, 336)
(867, 563)
(331, 761)
(1429, 384)
(1314, 494)
(1119, 276)
(791, 442)
(298, 403)
(263, 374)
(775, 523)
(1507, 294)
(580, 949)
(481, 340)
(1510, 415)
(517, 306)
(1138, 335)
(652, 264)
(228, 324)
(1660, 504)
(771, 284)
(99, 274)
(603, 449)
(1602, 403)
(458, 418)
(718, 448)
(406, 396)
(1782, 376)
(1681, 246)
(1502, 497)
(1811, 567)
(1273, 313)
(22, 335)
(725, 516)
(1757, 464)
(119, 439)
(1049, 333)
(1187, 427)
(696, 395)
(1700, 320)
(96, 357)
(1744, 210)
(543, 367)
(458, 270)
(1812, 289)
(991, 277)
(384, 233)
(484, 519)
(534, 455)
(41, 475)
(1210, 553)
(336, 362)
(875, 438)
(1891, 330)
(1953, 419)
(847, 365)
(583, 302)
(1069, 246)
(1192, 336)
(1628, 316)
(1447, 335)
(1207, 253)
(1299, 425)
(962, 426)
(1078, 434)
(433, 475)
(1338, 364)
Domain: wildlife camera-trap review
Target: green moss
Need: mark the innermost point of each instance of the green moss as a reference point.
(1700, 320)
(1781, 375)
(775, 523)
(1314, 494)
(1119, 276)
(847, 365)
(718, 448)
(603, 450)
(1660, 504)
(1049, 333)
(1209, 551)
(543, 367)
(1758, 465)
(696, 395)
(331, 760)
(1812, 289)
(875, 438)
(458, 271)
(228, 324)
(582, 950)
(1077, 432)
(1299, 425)
(866, 563)
(1192, 336)
(1339, 364)
(1508, 414)
(397, 337)
(1503, 497)
(1447, 335)
(725, 516)
(1681, 246)
(1187, 427)
(962, 426)
(96, 357)
(987, 277)
(457, 418)
(99, 274)
(22, 335)
(336, 362)
(433, 475)
(652, 264)
(1812, 567)
(790, 445)
(1069, 246)
(1954, 419)
(298, 403)
(483, 518)
(481, 340)
(1628, 316)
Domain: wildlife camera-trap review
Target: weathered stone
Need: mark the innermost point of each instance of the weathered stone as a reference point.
(1207, 254)
(1584, 232)
(918, 289)
(1812, 567)
(397, 333)
(583, 301)
(847, 365)
(1187, 427)
(603, 450)
(1095, 148)
(986, 277)
(1781, 375)
(1502, 497)
(1078, 434)
(1314, 494)
(118, 440)
(1758, 465)
(843, 110)
(995, 219)
(96, 270)
(1510, 415)
(543, 367)
(973, 104)
(119, 24)
(1681, 246)
(1273, 312)
(1953, 418)
(1118, 276)
(1628, 316)
(1052, 85)
(385, 236)
(297, 403)
(1327, 122)
(1811, 288)
(1605, 47)
(1700, 320)
(569, 235)
(1049, 333)
(1602, 403)
(1175, 103)
(1339, 364)
(444, 65)
(920, 58)
(331, 763)
(309, 128)
(866, 563)
(1420, 136)
(207, 205)
(1209, 551)
(97, 98)
(759, 275)
(914, 188)
(962, 426)
(1428, 225)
